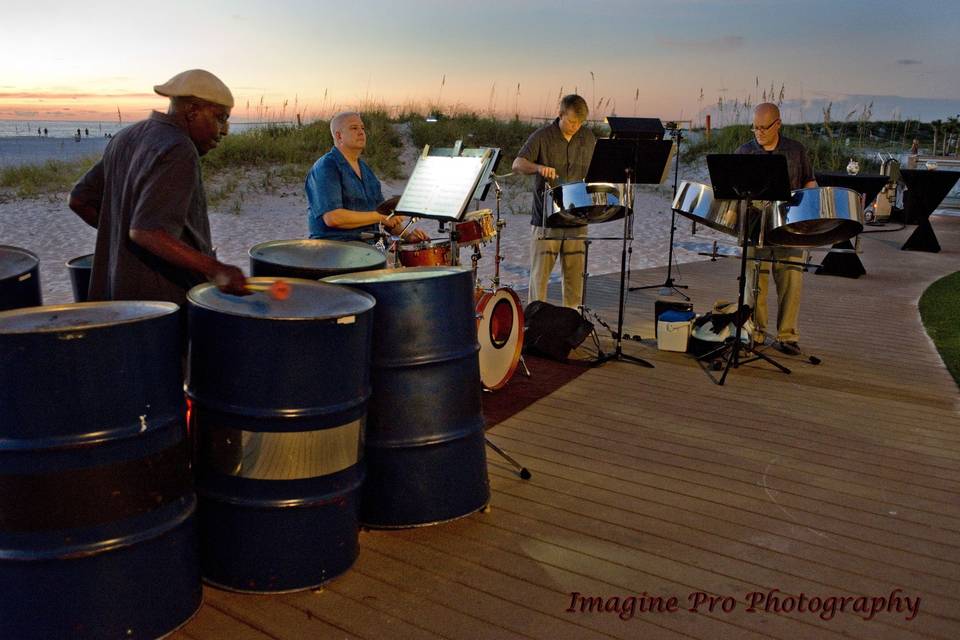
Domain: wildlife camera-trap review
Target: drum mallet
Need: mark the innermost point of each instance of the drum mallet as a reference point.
(277, 290)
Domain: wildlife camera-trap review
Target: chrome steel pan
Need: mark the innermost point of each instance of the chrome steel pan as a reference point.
(815, 217)
(695, 201)
(578, 203)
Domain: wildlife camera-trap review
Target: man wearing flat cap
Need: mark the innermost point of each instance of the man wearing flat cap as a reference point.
(146, 199)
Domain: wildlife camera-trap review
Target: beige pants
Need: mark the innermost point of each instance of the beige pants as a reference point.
(543, 255)
(789, 281)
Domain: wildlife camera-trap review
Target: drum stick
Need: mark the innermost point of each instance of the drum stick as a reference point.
(277, 290)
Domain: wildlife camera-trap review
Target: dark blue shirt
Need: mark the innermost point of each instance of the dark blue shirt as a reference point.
(798, 162)
(332, 184)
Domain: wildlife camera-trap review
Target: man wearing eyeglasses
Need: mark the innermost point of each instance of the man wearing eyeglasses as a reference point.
(557, 153)
(146, 200)
(788, 277)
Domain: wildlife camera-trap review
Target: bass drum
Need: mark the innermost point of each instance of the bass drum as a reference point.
(500, 334)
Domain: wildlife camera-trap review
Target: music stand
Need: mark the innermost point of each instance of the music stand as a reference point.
(745, 178)
(635, 128)
(629, 161)
(669, 284)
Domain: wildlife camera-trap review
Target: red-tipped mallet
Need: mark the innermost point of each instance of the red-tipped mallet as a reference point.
(277, 290)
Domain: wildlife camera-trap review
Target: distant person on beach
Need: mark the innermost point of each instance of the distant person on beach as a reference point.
(344, 199)
(44, 132)
(86, 132)
(788, 277)
(557, 153)
(38, 132)
(146, 199)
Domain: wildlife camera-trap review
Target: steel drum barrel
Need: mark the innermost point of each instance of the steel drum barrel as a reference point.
(80, 269)
(425, 454)
(19, 278)
(97, 525)
(278, 393)
(313, 259)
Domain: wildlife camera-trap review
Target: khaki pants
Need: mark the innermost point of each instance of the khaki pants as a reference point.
(543, 255)
(789, 281)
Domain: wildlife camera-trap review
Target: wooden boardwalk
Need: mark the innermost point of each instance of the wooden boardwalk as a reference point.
(838, 482)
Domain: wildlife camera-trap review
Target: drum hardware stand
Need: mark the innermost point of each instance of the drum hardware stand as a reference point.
(498, 257)
(524, 473)
(669, 284)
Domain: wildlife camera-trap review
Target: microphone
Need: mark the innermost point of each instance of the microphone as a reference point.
(372, 235)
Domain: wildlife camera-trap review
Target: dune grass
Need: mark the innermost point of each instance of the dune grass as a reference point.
(53, 176)
(295, 149)
(475, 131)
(826, 154)
(940, 310)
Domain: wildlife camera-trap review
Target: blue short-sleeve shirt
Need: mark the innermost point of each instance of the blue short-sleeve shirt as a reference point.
(332, 184)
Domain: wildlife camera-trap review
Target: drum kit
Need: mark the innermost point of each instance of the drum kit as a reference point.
(499, 312)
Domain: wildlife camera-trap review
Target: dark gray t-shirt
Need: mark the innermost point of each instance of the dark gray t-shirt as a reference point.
(548, 147)
(798, 162)
(149, 178)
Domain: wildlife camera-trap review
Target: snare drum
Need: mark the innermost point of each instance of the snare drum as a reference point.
(476, 227)
(425, 254)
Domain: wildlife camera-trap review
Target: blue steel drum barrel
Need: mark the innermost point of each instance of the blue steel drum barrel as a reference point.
(19, 278)
(80, 269)
(97, 526)
(313, 259)
(279, 392)
(425, 455)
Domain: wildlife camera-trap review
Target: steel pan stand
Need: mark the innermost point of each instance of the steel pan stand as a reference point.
(669, 284)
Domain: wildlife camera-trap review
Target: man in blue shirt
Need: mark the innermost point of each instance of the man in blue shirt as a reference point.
(344, 197)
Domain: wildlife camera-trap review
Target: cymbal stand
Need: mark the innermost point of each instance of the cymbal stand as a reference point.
(669, 283)
(735, 346)
(498, 258)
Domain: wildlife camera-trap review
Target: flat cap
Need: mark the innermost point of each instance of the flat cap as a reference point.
(199, 84)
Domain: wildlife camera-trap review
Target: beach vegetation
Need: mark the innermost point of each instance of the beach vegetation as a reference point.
(52, 176)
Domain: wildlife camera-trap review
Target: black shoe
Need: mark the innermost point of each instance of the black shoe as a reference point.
(788, 348)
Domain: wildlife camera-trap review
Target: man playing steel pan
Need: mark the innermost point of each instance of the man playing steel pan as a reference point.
(557, 153)
(146, 199)
(343, 195)
(788, 277)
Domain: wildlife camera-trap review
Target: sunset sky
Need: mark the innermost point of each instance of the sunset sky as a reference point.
(86, 62)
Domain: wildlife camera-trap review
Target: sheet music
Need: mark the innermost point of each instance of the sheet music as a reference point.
(441, 187)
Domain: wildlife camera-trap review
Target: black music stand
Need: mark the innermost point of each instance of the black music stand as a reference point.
(630, 161)
(746, 177)
(669, 283)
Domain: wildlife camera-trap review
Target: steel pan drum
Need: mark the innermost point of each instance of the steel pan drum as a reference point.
(815, 217)
(97, 508)
(696, 202)
(313, 259)
(279, 393)
(425, 254)
(579, 203)
(80, 269)
(19, 278)
(424, 442)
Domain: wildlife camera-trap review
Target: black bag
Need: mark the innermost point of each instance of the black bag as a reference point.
(553, 332)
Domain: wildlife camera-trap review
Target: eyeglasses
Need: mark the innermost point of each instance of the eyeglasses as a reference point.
(757, 129)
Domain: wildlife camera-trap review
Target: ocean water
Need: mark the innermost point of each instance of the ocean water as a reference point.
(97, 129)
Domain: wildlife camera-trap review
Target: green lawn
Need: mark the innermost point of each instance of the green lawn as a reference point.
(940, 311)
